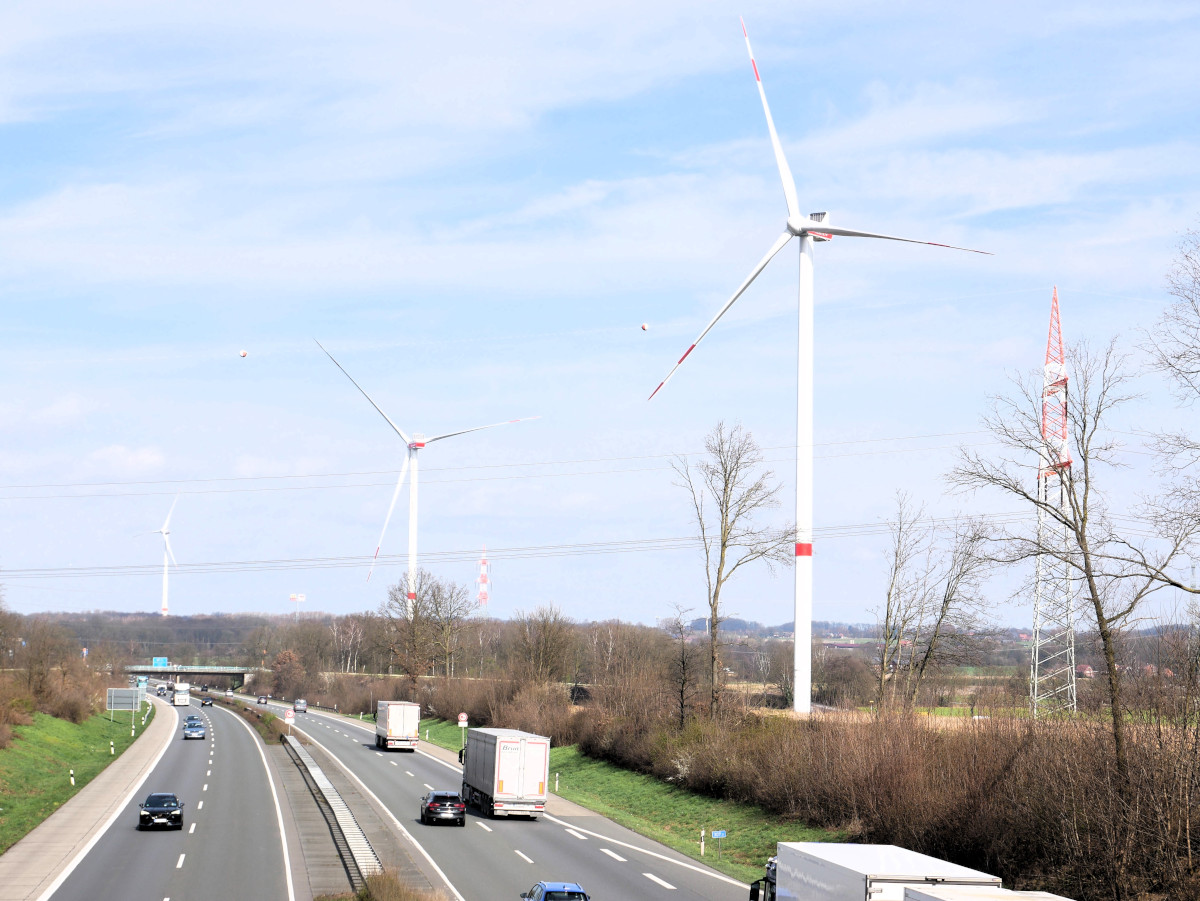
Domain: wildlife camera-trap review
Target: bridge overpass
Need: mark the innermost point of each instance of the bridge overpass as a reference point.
(240, 675)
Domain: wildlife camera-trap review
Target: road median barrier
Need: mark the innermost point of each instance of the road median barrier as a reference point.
(358, 857)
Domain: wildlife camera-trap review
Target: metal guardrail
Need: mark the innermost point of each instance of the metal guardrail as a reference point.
(356, 852)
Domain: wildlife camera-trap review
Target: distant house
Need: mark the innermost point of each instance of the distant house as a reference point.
(1084, 671)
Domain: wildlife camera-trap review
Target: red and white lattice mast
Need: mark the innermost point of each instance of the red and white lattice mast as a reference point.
(484, 581)
(1052, 668)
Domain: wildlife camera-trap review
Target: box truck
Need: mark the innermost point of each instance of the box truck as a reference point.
(505, 772)
(397, 724)
(823, 871)
(183, 694)
(975, 893)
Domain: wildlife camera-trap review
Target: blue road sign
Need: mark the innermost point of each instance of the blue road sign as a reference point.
(718, 833)
(159, 661)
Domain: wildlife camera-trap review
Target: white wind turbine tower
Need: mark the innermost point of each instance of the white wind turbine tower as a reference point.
(414, 444)
(814, 227)
(165, 532)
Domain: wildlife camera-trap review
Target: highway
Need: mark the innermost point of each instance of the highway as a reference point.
(230, 845)
(499, 859)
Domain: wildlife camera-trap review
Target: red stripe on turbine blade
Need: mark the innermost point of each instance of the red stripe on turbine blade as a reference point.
(755, 65)
(803, 550)
(743, 21)
(655, 391)
(685, 354)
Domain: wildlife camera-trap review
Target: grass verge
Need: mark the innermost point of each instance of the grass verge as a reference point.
(35, 769)
(663, 812)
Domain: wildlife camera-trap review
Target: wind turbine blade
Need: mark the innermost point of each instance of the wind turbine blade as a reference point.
(167, 542)
(391, 507)
(855, 233)
(762, 264)
(166, 525)
(785, 173)
(479, 428)
(395, 427)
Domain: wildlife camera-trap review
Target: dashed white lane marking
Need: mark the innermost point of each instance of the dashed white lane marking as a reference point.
(200, 806)
(209, 773)
(179, 863)
(614, 855)
(483, 826)
(210, 761)
(205, 787)
(393, 763)
(427, 785)
(193, 829)
(576, 834)
(378, 754)
(523, 857)
(409, 773)
(661, 882)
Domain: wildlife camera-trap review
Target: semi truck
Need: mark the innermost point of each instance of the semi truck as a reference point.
(975, 893)
(505, 772)
(397, 725)
(825, 871)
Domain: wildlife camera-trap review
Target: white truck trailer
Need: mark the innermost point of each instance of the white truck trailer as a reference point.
(182, 695)
(397, 725)
(975, 893)
(505, 772)
(827, 871)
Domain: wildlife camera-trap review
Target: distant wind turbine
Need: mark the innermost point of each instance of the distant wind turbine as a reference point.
(814, 227)
(165, 532)
(414, 444)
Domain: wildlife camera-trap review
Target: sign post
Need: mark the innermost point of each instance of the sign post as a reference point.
(289, 717)
(718, 834)
(462, 725)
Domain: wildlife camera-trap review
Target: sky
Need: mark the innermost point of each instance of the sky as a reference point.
(476, 211)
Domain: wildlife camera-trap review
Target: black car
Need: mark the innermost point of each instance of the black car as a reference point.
(443, 806)
(206, 702)
(161, 809)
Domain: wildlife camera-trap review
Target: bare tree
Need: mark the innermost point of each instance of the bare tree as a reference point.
(729, 490)
(1175, 341)
(1115, 570)
(684, 670)
(543, 642)
(410, 626)
(449, 606)
(909, 572)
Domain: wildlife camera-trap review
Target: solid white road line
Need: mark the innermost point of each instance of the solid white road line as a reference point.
(679, 863)
(523, 857)
(193, 829)
(83, 852)
(576, 834)
(287, 860)
(179, 863)
(614, 855)
(484, 826)
(395, 822)
(661, 882)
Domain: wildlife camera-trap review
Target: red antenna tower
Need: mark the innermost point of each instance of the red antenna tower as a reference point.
(1054, 398)
(1052, 668)
(484, 581)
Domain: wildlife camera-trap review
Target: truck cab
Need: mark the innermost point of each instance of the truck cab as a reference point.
(764, 889)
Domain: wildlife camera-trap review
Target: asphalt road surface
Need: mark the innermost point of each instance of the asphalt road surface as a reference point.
(499, 859)
(230, 845)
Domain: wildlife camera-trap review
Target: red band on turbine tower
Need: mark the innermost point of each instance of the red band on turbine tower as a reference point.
(412, 595)
(803, 550)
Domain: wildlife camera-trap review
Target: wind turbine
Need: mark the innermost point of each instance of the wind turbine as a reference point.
(165, 532)
(415, 443)
(811, 228)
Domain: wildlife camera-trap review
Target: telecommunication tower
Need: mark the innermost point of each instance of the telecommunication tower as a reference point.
(484, 581)
(1052, 669)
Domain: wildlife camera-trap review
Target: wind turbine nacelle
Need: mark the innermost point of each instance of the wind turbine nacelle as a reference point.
(417, 442)
(804, 226)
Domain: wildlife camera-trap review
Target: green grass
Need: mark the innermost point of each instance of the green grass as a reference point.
(35, 769)
(662, 812)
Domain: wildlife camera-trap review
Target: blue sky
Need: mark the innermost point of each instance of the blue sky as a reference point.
(476, 211)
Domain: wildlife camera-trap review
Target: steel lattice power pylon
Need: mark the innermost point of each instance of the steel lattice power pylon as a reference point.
(1052, 669)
